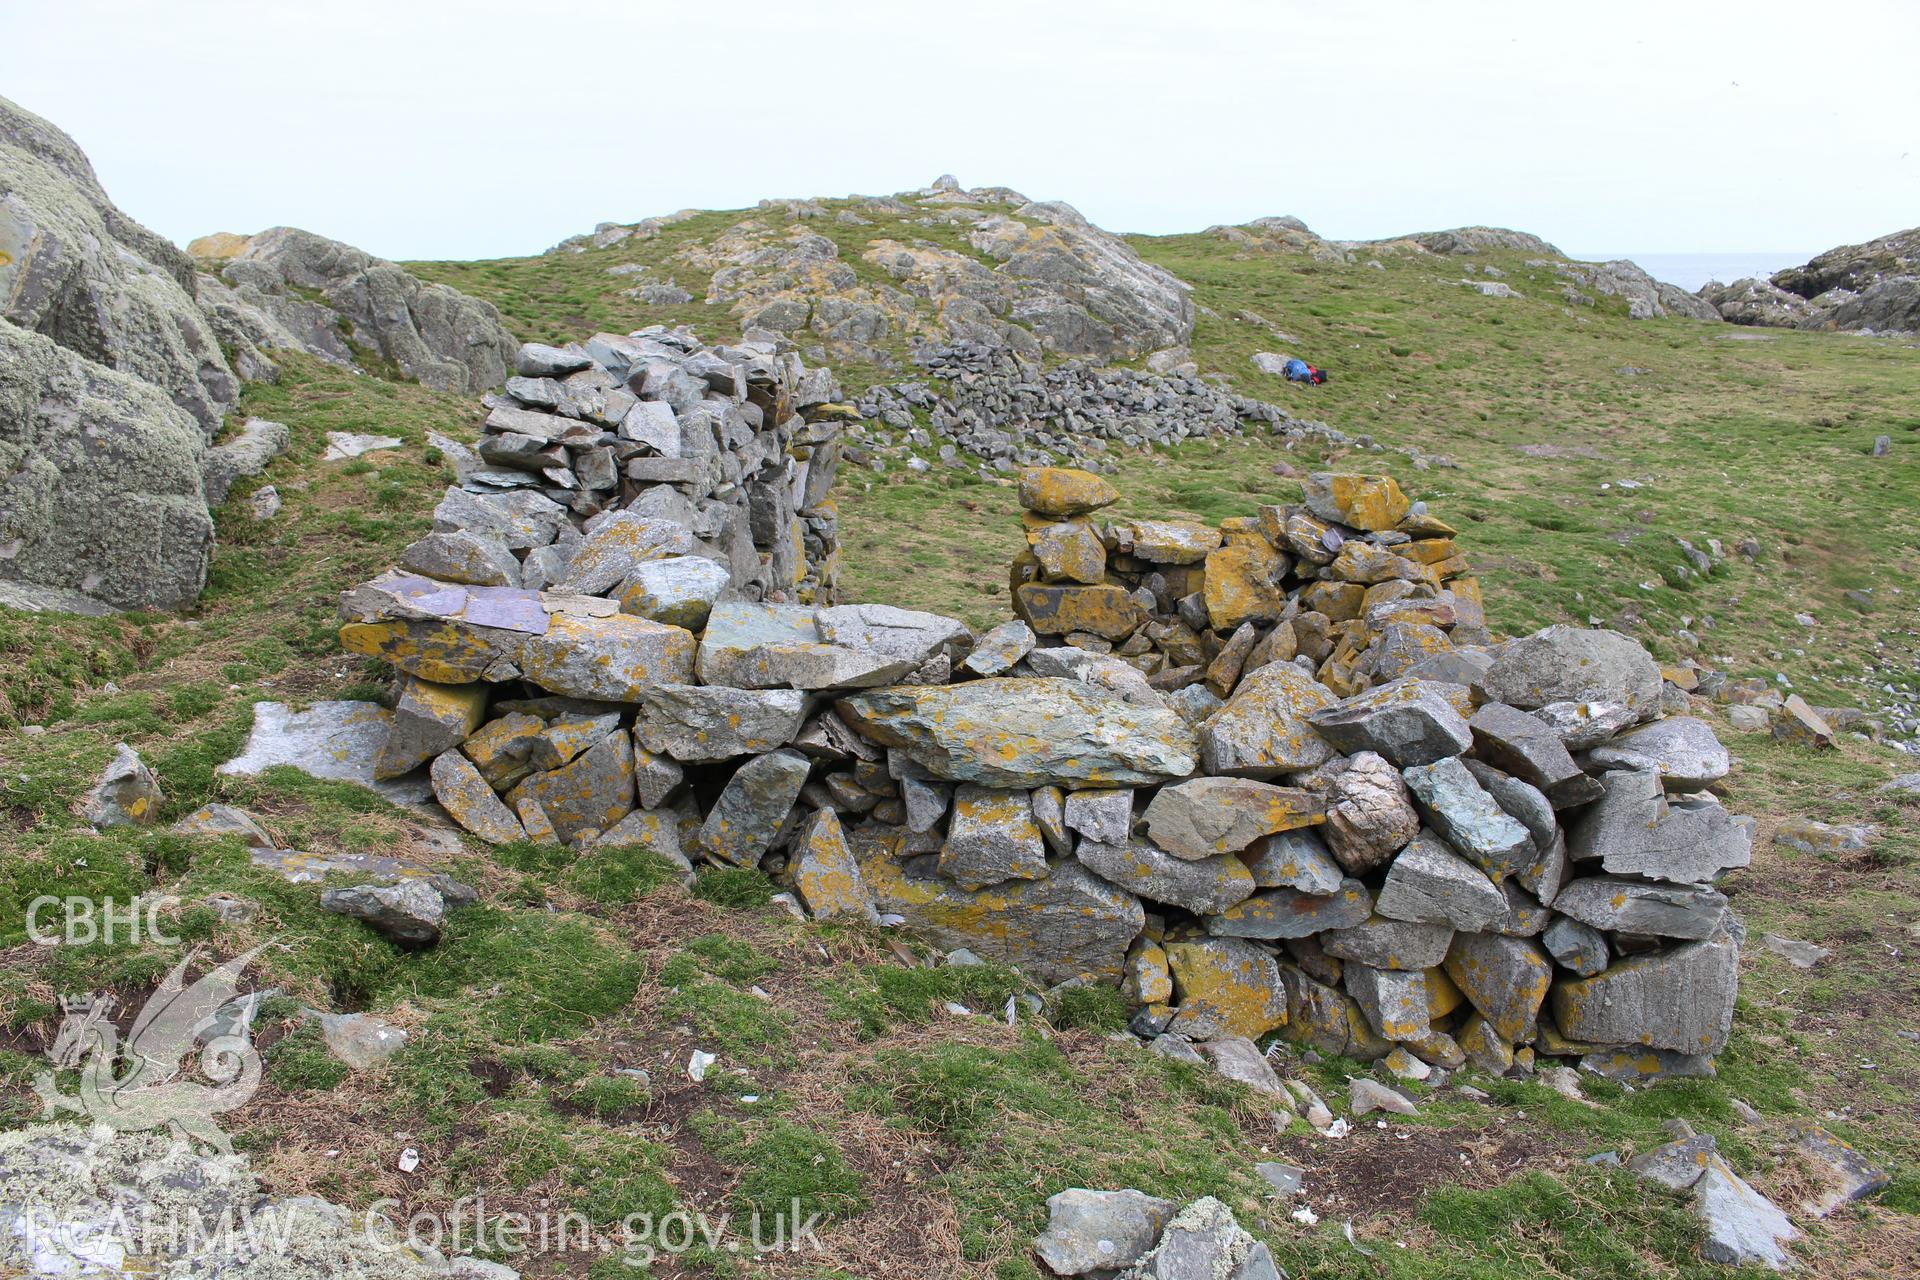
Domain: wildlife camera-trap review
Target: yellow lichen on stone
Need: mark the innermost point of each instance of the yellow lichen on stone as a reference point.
(1063, 491)
(1340, 601)
(1069, 549)
(1429, 550)
(1148, 979)
(825, 871)
(1442, 996)
(444, 652)
(1244, 583)
(1469, 610)
(1370, 502)
(1171, 541)
(1055, 609)
(218, 245)
(1225, 986)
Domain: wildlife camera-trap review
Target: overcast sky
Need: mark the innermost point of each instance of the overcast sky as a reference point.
(421, 129)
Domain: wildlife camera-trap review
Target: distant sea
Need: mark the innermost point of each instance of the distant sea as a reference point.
(1691, 270)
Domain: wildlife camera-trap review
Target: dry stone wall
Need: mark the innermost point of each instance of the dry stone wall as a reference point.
(1268, 776)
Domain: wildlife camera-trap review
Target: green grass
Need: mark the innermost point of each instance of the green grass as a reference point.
(876, 999)
(789, 1171)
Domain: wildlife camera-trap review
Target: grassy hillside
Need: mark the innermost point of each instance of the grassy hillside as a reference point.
(932, 1138)
(1583, 443)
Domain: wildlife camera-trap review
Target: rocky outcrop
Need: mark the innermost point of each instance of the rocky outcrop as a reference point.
(111, 386)
(104, 488)
(75, 269)
(1033, 276)
(1855, 267)
(1865, 288)
(1757, 302)
(1467, 240)
(1646, 298)
(288, 289)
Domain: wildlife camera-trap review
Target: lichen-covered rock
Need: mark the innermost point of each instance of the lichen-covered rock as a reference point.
(1070, 925)
(992, 836)
(753, 806)
(590, 794)
(1148, 980)
(1203, 1242)
(1636, 830)
(677, 590)
(1390, 944)
(1100, 1230)
(78, 439)
(608, 659)
(1025, 733)
(903, 635)
(1527, 747)
(436, 335)
(1681, 750)
(770, 646)
(1579, 947)
(1372, 503)
(1225, 986)
(501, 748)
(1244, 583)
(700, 724)
(1393, 1000)
(338, 741)
(1619, 904)
(1430, 882)
(825, 871)
(1263, 730)
(412, 912)
(1798, 723)
(1468, 819)
(1201, 886)
(1680, 1000)
(1069, 550)
(1062, 491)
(1742, 1226)
(1325, 1018)
(429, 719)
(1057, 609)
(1289, 913)
(1206, 817)
(463, 556)
(1574, 664)
(1296, 859)
(1168, 541)
(999, 649)
(1505, 978)
(1410, 722)
(127, 793)
(463, 792)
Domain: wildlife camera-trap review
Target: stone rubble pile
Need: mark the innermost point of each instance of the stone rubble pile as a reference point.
(1270, 776)
(717, 460)
(1008, 410)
